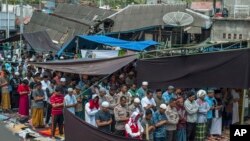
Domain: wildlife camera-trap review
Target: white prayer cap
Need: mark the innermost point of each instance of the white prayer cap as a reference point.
(63, 79)
(163, 106)
(170, 87)
(32, 59)
(70, 90)
(94, 96)
(17, 73)
(105, 104)
(201, 93)
(103, 90)
(137, 100)
(61, 57)
(145, 83)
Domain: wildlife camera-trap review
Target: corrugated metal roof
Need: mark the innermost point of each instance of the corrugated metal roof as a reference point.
(82, 13)
(56, 27)
(67, 21)
(136, 17)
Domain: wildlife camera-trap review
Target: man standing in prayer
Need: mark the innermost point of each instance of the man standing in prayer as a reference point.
(124, 92)
(91, 108)
(160, 121)
(158, 98)
(57, 102)
(173, 118)
(37, 106)
(210, 100)
(121, 116)
(103, 118)
(201, 116)
(133, 126)
(70, 101)
(148, 121)
(236, 98)
(181, 126)
(148, 101)
(191, 108)
(112, 98)
(169, 94)
(141, 92)
(136, 107)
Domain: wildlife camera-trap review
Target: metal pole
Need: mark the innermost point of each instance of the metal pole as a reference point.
(243, 107)
(8, 20)
(21, 28)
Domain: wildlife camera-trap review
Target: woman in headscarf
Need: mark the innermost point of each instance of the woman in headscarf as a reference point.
(91, 108)
(133, 126)
(23, 90)
(4, 84)
(201, 116)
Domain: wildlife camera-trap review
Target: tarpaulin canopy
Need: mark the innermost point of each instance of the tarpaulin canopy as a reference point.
(83, 131)
(88, 66)
(39, 41)
(91, 41)
(222, 69)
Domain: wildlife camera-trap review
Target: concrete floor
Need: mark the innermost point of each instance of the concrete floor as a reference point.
(6, 135)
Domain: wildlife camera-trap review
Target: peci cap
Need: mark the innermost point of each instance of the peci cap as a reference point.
(105, 104)
(163, 106)
(137, 100)
(17, 73)
(145, 83)
(70, 90)
(63, 79)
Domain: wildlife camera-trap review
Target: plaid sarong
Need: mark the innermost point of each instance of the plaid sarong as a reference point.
(200, 133)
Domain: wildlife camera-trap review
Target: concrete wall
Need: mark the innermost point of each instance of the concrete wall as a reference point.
(223, 29)
(229, 4)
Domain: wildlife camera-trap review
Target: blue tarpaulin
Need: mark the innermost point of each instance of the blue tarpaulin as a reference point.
(91, 41)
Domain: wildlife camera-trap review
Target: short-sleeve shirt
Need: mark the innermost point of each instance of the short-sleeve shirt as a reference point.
(103, 116)
(150, 123)
(160, 131)
(69, 100)
(39, 103)
(57, 99)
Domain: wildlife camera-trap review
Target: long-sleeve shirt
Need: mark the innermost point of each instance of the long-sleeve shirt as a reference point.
(173, 118)
(90, 115)
(202, 111)
(210, 101)
(191, 108)
(131, 133)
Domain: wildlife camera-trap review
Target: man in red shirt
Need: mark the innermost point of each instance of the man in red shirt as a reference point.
(56, 101)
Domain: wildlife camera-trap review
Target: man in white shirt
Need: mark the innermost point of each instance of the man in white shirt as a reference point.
(45, 86)
(148, 101)
(70, 101)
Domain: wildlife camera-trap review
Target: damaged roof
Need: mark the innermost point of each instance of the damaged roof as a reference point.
(67, 21)
(82, 13)
(138, 17)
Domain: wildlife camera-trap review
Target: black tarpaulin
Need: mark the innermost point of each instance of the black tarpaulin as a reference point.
(228, 69)
(78, 130)
(88, 66)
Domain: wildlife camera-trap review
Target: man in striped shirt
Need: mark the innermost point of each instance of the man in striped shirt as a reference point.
(57, 102)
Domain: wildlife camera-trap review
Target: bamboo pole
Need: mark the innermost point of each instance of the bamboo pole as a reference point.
(147, 133)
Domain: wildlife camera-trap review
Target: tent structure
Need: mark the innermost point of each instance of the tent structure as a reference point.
(88, 66)
(229, 69)
(92, 41)
(39, 41)
(87, 131)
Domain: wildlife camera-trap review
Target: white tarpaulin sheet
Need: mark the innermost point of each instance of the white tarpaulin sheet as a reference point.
(99, 53)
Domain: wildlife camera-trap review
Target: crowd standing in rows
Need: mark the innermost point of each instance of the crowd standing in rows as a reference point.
(117, 105)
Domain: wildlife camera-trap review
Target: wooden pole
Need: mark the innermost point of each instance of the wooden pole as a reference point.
(147, 133)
